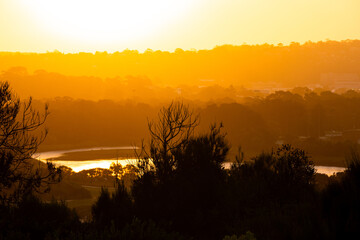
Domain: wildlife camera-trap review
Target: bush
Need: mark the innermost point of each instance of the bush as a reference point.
(116, 209)
(34, 219)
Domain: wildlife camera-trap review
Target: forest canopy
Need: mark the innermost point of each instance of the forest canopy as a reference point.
(331, 64)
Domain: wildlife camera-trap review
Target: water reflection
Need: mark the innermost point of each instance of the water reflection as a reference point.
(78, 165)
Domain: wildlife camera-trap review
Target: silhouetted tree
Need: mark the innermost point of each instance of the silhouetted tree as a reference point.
(19, 140)
(293, 166)
(175, 125)
(183, 185)
(274, 187)
(115, 209)
(197, 188)
(341, 201)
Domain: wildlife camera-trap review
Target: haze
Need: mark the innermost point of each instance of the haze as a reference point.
(170, 119)
(89, 26)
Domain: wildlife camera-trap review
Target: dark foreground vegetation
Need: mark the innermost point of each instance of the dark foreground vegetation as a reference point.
(182, 190)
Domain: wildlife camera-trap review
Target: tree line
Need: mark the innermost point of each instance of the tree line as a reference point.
(301, 117)
(247, 65)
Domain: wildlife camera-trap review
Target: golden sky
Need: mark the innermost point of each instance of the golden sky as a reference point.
(114, 25)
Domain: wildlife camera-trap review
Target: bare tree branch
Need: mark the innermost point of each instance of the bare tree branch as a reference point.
(174, 125)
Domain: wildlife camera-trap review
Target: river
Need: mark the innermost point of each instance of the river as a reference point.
(79, 165)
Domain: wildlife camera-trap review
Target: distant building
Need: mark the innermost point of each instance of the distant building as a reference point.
(332, 136)
(341, 80)
(352, 135)
(303, 138)
(267, 88)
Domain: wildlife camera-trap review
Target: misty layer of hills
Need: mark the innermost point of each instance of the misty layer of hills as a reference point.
(265, 95)
(119, 75)
(325, 124)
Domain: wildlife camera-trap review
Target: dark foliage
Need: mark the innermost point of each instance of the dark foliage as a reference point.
(115, 209)
(183, 192)
(341, 202)
(33, 219)
(193, 189)
(19, 140)
(273, 196)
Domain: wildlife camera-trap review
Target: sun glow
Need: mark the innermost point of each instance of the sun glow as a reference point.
(94, 21)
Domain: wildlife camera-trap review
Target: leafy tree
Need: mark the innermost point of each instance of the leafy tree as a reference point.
(114, 209)
(117, 169)
(19, 139)
(288, 166)
(274, 187)
(203, 152)
(341, 200)
(294, 166)
(197, 187)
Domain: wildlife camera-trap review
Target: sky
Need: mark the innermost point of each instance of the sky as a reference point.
(115, 25)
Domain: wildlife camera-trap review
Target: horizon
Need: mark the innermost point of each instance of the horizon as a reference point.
(279, 44)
